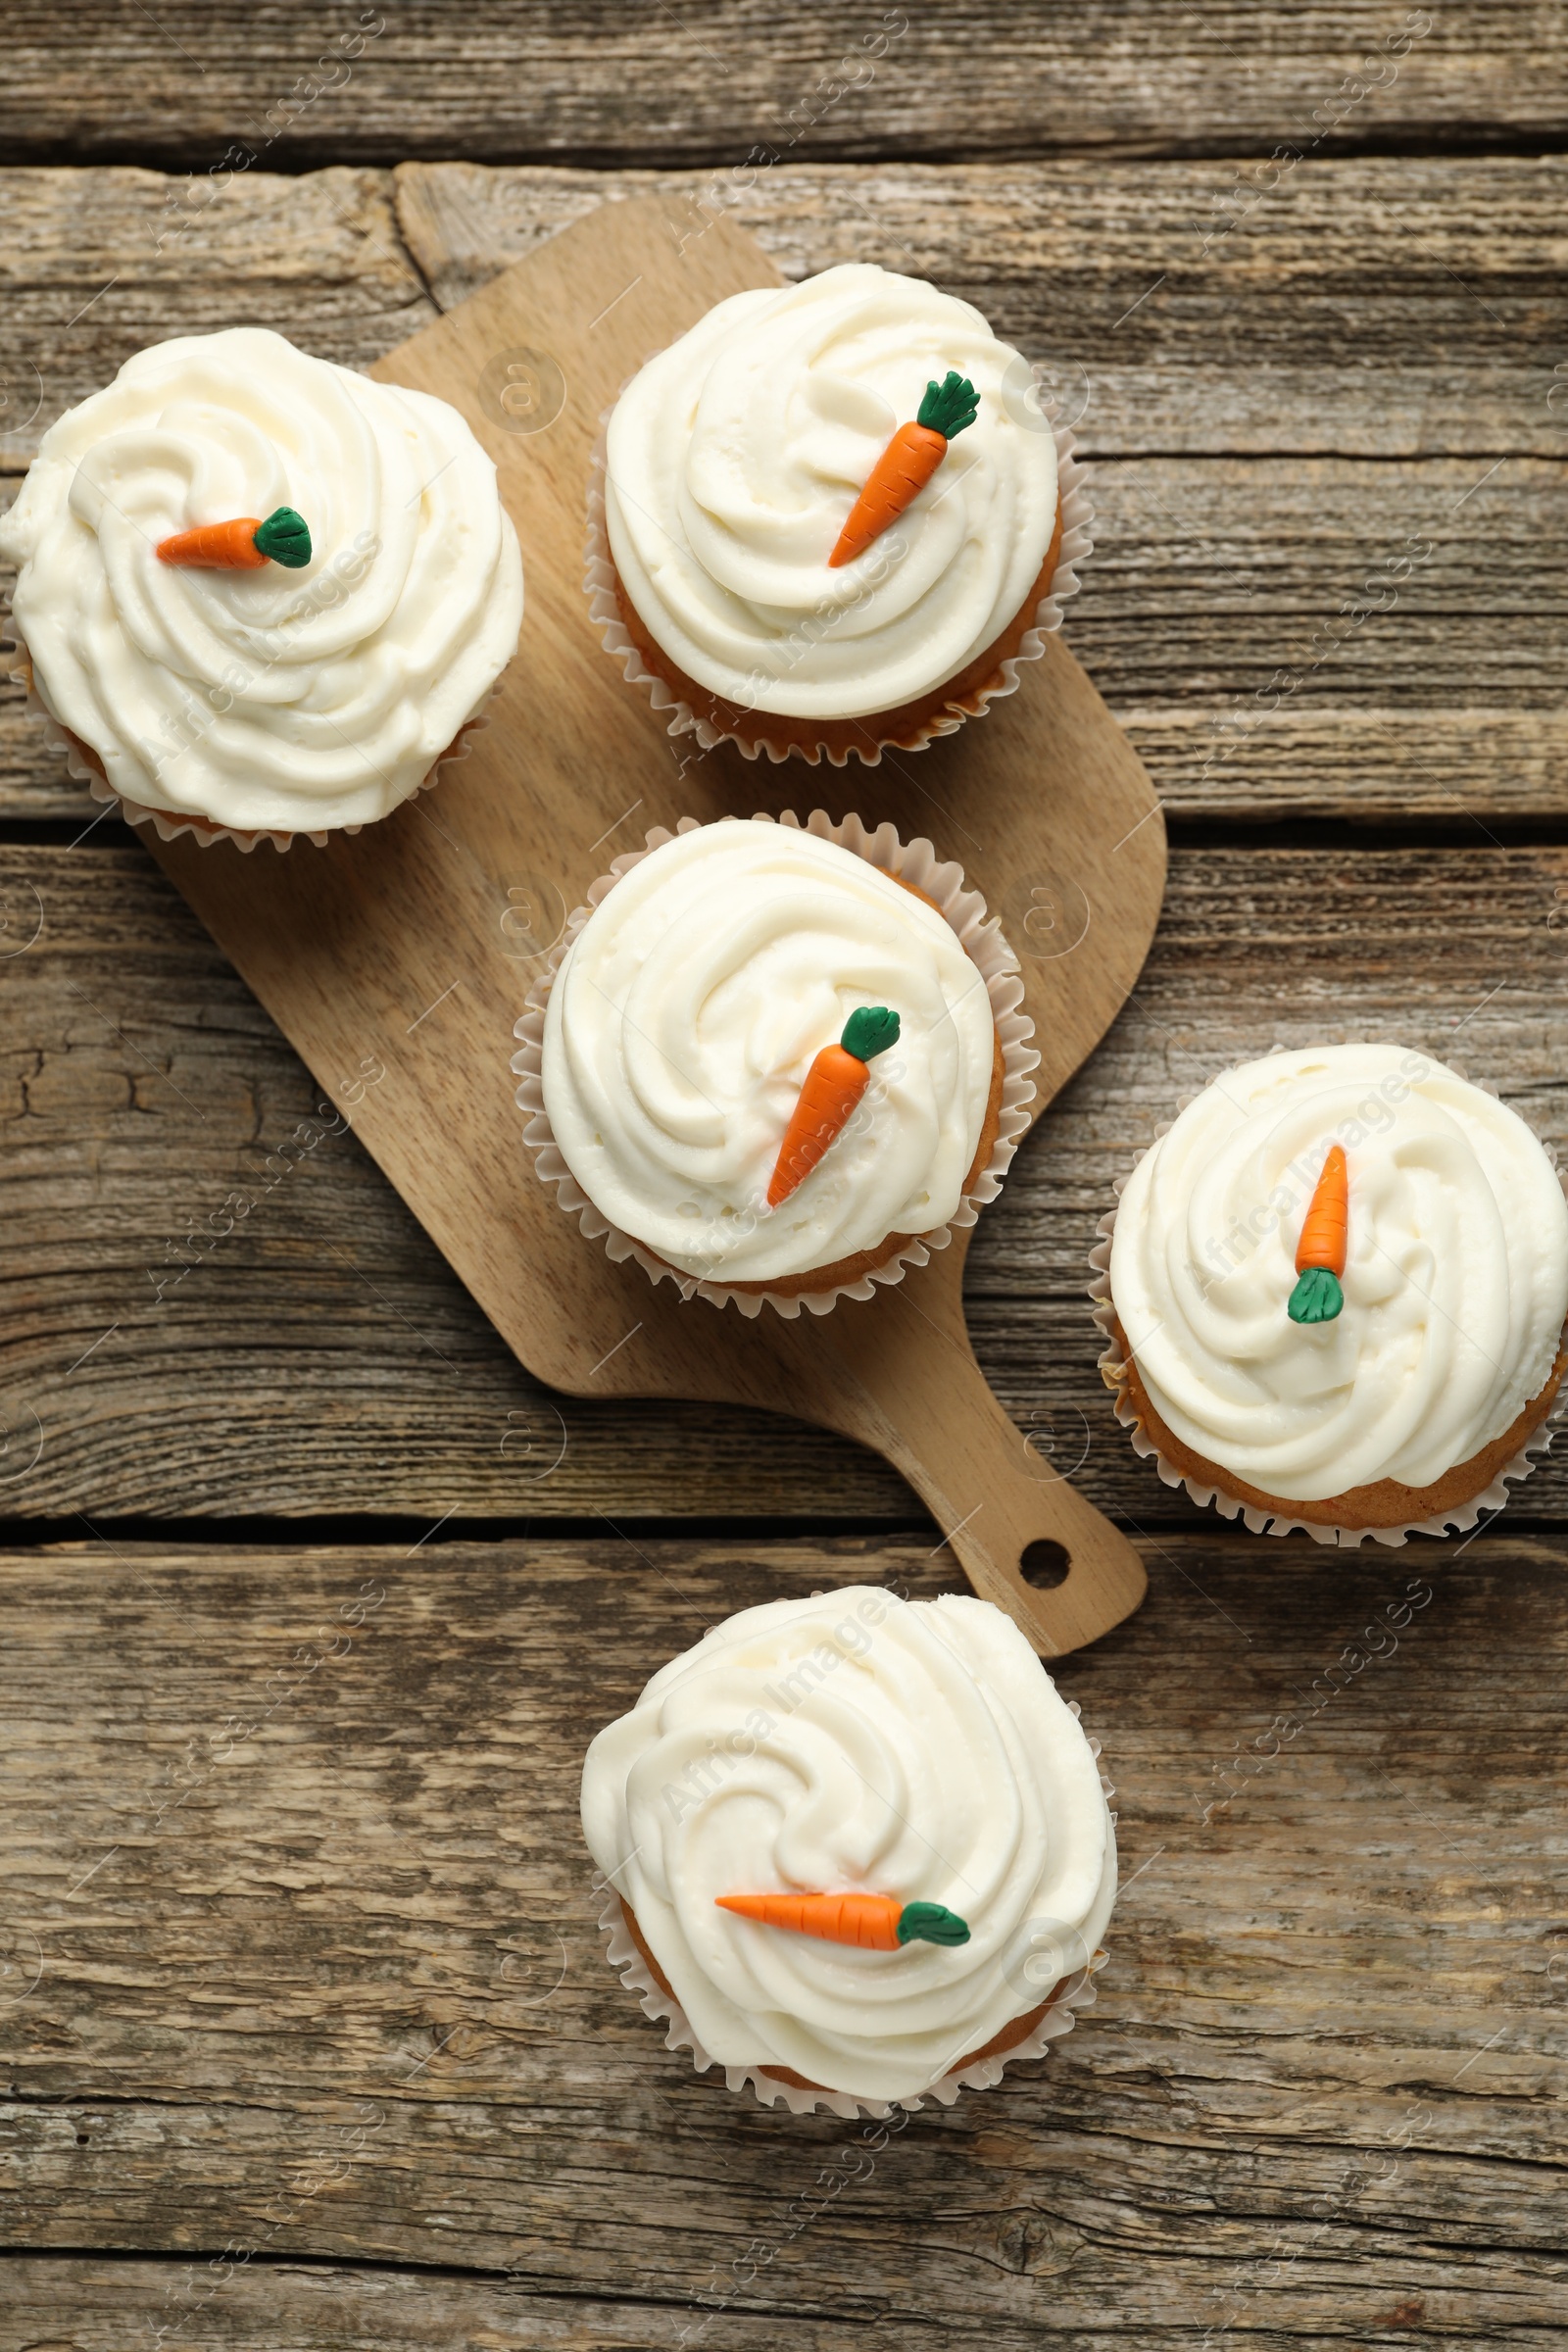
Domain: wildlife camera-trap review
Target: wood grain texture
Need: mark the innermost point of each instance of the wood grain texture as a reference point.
(297, 2306)
(1356, 1963)
(1394, 308)
(304, 1962)
(1273, 425)
(319, 1357)
(1253, 628)
(513, 79)
(1387, 308)
(97, 265)
(1325, 318)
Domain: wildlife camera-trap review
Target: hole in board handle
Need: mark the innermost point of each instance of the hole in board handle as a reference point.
(1044, 1563)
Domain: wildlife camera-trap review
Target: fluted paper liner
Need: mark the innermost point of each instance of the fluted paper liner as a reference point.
(1113, 1364)
(604, 610)
(981, 939)
(169, 823)
(1074, 1992)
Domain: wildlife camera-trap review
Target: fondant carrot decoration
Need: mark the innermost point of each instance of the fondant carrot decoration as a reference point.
(907, 464)
(243, 544)
(834, 1084)
(874, 1922)
(1320, 1253)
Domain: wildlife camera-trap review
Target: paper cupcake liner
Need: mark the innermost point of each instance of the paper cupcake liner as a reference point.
(1113, 1363)
(167, 823)
(599, 583)
(1075, 1993)
(981, 938)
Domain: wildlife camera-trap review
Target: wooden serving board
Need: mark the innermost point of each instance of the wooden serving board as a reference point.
(410, 947)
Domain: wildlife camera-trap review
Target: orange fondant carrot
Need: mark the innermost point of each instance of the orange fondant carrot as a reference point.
(875, 1923)
(241, 545)
(1320, 1253)
(834, 1085)
(906, 464)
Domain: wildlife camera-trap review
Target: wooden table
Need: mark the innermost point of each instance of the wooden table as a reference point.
(309, 2042)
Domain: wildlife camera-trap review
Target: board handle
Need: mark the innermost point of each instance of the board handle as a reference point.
(931, 1411)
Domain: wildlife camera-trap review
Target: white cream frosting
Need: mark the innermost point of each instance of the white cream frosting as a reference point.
(916, 1749)
(735, 456)
(265, 699)
(1456, 1282)
(686, 1015)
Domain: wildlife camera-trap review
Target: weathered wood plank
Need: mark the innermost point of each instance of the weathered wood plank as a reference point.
(510, 80)
(319, 1356)
(1390, 308)
(1347, 312)
(96, 265)
(322, 1982)
(1330, 638)
(1320, 639)
(1387, 310)
(1352, 307)
(310, 2307)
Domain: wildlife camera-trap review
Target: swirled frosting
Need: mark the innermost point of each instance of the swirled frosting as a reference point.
(687, 1013)
(294, 700)
(1456, 1282)
(855, 1740)
(735, 456)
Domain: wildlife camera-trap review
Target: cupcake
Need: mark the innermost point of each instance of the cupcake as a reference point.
(260, 594)
(1336, 1293)
(832, 517)
(858, 1848)
(771, 1066)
